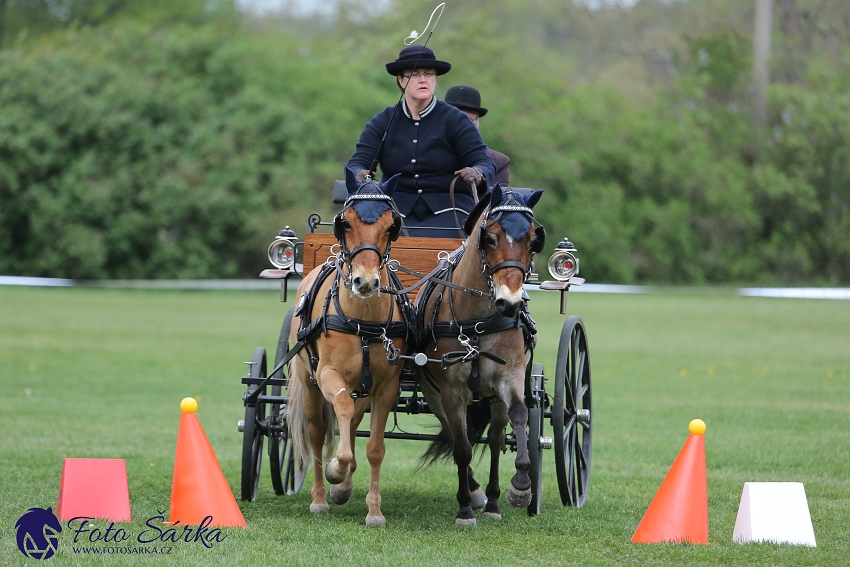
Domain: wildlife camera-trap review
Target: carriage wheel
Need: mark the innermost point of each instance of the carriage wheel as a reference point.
(252, 434)
(535, 444)
(571, 416)
(278, 443)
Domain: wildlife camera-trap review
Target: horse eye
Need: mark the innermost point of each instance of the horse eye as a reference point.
(346, 225)
(490, 240)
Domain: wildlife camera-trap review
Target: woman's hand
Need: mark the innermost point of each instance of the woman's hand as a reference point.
(471, 175)
(360, 176)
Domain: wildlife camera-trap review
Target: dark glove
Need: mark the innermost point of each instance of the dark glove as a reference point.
(471, 175)
(360, 176)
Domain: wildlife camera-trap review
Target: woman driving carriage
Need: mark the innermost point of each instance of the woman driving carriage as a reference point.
(439, 153)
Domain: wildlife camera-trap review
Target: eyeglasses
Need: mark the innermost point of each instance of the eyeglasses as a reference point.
(417, 74)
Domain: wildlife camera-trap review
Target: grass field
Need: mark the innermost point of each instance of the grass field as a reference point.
(100, 373)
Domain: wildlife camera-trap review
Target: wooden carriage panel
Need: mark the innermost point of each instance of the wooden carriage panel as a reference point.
(413, 253)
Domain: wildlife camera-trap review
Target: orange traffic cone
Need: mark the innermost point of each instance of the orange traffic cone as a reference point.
(199, 488)
(679, 511)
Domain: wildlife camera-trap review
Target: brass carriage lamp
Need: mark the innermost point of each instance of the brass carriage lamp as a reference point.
(282, 249)
(563, 264)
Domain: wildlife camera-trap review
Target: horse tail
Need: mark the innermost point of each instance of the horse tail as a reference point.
(441, 448)
(296, 420)
(438, 449)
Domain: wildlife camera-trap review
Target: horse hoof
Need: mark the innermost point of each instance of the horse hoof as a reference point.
(319, 508)
(339, 496)
(465, 522)
(479, 500)
(519, 498)
(377, 521)
(332, 472)
(492, 516)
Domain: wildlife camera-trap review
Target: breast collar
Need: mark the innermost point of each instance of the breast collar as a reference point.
(425, 111)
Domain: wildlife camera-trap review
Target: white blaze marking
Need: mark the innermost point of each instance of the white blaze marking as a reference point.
(504, 292)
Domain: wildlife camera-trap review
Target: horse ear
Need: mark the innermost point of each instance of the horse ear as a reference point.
(532, 198)
(476, 211)
(351, 181)
(497, 196)
(389, 187)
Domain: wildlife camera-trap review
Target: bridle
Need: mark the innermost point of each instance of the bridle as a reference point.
(493, 216)
(346, 256)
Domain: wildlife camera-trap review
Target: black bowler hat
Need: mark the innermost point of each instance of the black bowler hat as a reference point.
(465, 98)
(417, 56)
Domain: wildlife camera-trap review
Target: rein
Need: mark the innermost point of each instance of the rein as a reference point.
(431, 276)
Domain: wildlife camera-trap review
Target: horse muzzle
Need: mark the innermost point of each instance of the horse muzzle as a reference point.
(365, 287)
(508, 308)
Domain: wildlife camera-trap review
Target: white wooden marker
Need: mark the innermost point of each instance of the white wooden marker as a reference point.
(775, 512)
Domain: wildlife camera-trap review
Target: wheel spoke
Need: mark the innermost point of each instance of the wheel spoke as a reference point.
(572, 476)
(582, 464)
(581, 393)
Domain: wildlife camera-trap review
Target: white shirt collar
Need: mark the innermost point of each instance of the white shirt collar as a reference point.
(422, 113)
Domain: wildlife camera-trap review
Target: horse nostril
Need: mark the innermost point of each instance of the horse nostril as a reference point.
(376, 282)
(506, 308)
(357, 282)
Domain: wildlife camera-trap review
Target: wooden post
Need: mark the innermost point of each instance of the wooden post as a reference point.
(761, 58)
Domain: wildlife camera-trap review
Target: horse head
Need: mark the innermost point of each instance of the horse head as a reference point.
(508, 237)
(368, 222)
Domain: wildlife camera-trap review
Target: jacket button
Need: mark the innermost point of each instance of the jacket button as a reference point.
(416, 123)
(414, 141)
(419, 191)
(413, 161)
(416, 176)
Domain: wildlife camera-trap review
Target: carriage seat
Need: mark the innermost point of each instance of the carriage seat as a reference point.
(340, 191)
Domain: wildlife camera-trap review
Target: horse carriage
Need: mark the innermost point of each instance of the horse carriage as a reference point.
(422, 326)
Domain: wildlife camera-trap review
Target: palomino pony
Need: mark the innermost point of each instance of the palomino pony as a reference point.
(350, 332)
(481, 331)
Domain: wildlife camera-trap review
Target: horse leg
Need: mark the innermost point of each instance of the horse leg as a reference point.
(519, 492)
(316, 429)
(478, 417)
(462, 452)
(479, 499)
(340, 493)
(336, 392)
(496, 442)
(382, 402)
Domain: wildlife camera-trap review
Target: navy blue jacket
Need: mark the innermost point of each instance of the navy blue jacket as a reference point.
(426, 152)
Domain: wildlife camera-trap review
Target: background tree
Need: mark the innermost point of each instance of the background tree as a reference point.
(161, 139)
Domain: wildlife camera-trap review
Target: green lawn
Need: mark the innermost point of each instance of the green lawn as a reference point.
(100, 373)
